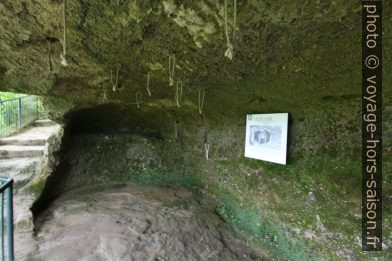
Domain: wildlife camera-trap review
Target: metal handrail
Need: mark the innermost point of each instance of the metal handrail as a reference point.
(16, 113)
(7, 190)
(13, 99)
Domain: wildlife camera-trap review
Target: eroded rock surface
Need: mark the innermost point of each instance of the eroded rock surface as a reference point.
(128, 222)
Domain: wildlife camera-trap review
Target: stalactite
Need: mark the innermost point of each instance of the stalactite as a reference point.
(176, 128)
(178, 95)
(104, 93)
(148, 84)
(63, 56)
(172, 66)
(207, 150)
(230, 48)
(50, 66)
(114, 84)
(201, 101)
(138, 99)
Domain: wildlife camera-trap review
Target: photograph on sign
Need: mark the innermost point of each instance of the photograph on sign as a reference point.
(266, 137)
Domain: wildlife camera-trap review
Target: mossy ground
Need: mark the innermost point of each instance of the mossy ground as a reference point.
(271, 204)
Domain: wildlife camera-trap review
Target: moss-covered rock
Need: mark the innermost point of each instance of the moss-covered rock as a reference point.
(290, 56)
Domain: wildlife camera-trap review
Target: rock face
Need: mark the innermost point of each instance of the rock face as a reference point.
(249, 194)
(128, 222)
(301, 57)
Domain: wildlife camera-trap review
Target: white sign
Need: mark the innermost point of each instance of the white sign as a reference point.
(266, 137)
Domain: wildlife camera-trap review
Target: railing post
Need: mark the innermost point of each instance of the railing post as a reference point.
(2, 224)
(19, 114)
(37, 106)
(10, 223)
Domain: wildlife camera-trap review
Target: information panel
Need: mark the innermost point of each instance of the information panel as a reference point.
(266, 137)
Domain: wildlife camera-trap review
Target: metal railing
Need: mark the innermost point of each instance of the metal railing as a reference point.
(17, 113)
(6, 194)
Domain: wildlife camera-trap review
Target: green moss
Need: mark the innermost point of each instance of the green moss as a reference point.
(163, 179)
(251, 222)
(37, 186)
(271, 204)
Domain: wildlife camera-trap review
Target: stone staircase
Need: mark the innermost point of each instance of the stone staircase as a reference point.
(23, 157)
(20, 169)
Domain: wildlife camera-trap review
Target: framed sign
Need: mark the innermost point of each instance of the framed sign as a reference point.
(266, 137)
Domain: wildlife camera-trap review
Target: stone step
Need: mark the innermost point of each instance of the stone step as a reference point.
(22, 141)
(9, 151)
(44, 123)
(19, 169)
(19, 165)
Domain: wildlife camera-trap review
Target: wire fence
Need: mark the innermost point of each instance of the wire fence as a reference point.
(18, 113)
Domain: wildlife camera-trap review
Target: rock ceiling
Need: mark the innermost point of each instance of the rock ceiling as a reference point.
(137, 37)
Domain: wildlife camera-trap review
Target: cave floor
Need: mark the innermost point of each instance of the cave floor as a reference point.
(128, 222)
